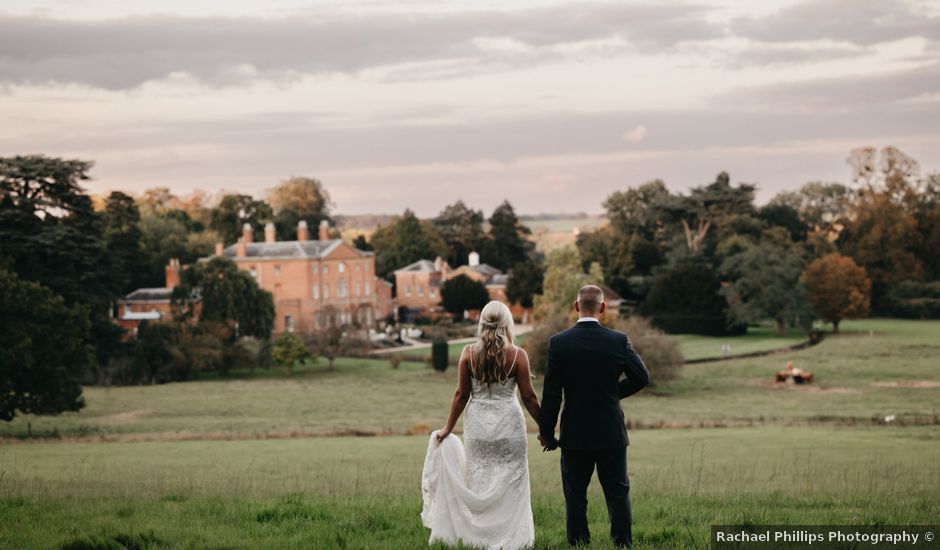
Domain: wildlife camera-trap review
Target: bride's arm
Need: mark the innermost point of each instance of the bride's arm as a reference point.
(461, 396)
(526, 391)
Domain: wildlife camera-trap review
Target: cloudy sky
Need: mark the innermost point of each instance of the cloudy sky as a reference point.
(416, 103)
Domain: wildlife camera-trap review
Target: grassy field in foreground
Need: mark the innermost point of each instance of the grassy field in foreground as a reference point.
(365, 492)
(859, 378)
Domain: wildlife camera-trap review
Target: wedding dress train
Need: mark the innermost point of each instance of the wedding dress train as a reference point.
(478, 492)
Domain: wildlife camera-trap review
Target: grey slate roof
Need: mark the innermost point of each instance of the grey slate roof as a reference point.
(288, 249)
(499, 279)
(486, 269)
(149, 295)
(419, 266)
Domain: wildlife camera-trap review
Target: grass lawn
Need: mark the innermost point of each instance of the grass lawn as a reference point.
(365, 492)
(694, 346)
(253, 479)
(453, 350)
(859, 378)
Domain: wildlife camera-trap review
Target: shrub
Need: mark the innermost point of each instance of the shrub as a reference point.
(287, 349)
(394, 361)
(536, 345)
(659, 352)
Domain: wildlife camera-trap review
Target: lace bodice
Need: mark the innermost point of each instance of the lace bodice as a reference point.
(478, 490)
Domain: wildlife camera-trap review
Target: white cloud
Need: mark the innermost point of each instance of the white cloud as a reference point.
(635, 135)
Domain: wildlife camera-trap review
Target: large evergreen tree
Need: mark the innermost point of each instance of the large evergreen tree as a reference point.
(44, 350)
(122, 237)
(405, 240)
(462, 229)
(227, 295)
(508, 242)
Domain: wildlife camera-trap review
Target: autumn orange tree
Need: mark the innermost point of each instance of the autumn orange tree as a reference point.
(838, 288)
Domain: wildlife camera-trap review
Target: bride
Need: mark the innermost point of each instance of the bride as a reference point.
(477, 491)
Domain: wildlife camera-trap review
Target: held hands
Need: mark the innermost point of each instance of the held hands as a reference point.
(548, 445)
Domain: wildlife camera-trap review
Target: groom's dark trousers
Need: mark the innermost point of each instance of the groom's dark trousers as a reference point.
(585, 366)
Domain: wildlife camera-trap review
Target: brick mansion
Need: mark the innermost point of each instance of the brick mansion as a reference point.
(323, 281)
(313, 282)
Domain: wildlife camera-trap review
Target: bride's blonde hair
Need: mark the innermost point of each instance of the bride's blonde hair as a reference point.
(495, 336)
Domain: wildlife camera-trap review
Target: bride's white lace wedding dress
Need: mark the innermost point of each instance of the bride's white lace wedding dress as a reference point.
(477, 491)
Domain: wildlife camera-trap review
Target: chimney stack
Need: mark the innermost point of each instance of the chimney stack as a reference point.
(240, 248)
(172, 272)
(324, 230)
(247, 233)
(269, 234)
(219, 249)
(303, 233)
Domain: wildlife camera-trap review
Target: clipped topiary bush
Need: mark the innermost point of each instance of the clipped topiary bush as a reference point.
(439, 355)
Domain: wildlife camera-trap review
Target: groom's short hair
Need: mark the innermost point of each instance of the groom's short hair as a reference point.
(590, 298)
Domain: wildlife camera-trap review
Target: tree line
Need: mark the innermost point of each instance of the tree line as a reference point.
(711, 261)
(708, 260)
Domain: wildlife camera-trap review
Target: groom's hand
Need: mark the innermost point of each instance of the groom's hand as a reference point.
(548, 445)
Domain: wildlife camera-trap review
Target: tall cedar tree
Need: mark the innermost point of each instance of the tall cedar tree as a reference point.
(508, 242)
(122, 237)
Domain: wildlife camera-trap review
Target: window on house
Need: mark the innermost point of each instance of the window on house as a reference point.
(254, 272)
(326, 268)
(357, 267)
(358, 288)
(288, 323)
(316, 291)
(368, 288)
(316, 269)
(277, 271)
(342, 267)
(326, 291)
(407, 291)
(341, 290)
(420, 290)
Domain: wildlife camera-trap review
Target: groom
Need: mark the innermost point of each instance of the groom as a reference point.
(585, 363)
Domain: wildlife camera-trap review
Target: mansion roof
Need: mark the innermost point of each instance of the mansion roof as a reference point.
(421, 266)
(288, 249)
(150, 295)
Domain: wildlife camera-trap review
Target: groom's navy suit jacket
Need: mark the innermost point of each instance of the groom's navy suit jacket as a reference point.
(585, 365)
